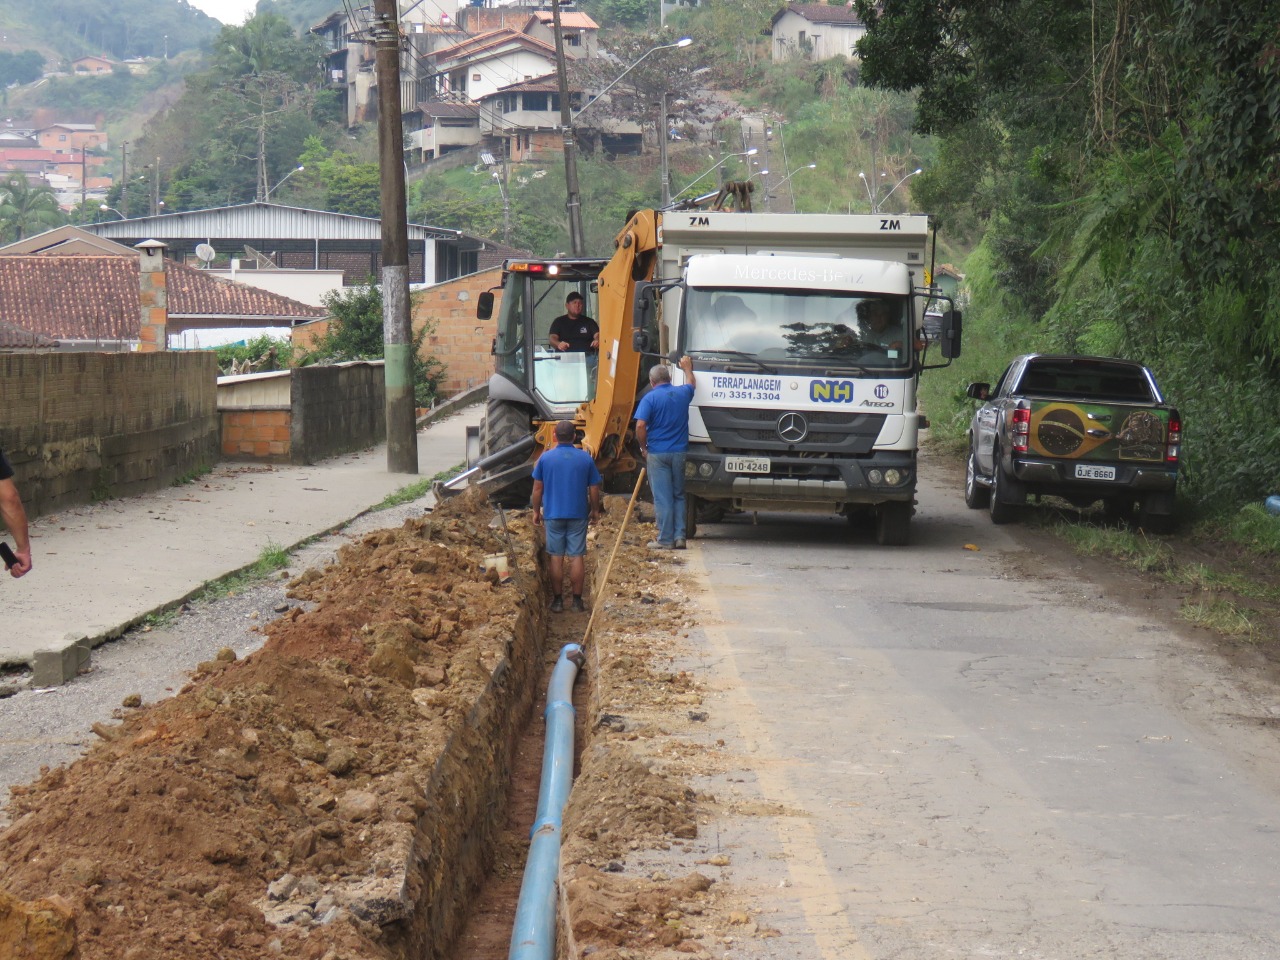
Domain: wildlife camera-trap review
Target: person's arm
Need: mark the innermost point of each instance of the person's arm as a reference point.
(595, 341)
(15, 518)
(593, 498)
(553, 337)
(642, 435)
(536, 500)
(686, 364)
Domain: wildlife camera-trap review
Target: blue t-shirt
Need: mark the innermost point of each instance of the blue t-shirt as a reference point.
(665, 411)
(566, 472)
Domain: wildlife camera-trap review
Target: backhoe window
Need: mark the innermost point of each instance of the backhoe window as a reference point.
(799, 327)
(530, 303)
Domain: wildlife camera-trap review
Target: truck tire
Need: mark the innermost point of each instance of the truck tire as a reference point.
(503, 424)
(893, 523)
(1006, 494)
(976, 496)
(691, 505)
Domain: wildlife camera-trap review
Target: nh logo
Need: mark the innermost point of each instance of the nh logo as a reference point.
(699, 221)
(831, 391)
(887, 224)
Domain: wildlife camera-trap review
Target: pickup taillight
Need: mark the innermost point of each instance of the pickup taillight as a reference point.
(1020, 428)
(1173, 437)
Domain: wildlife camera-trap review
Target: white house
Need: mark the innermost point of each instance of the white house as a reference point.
(815, 31)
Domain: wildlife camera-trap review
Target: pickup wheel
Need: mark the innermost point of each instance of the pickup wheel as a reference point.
(893, 523)
(976, 496)
(1003, 490)
(1153, 522)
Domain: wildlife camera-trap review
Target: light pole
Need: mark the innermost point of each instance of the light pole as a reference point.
(104, 208)
(872, 197)
(573, 202)
(716, 166)
(773, 193)
(896, 186)
(298, 169)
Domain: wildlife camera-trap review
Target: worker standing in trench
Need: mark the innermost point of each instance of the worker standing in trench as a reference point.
(570, 482)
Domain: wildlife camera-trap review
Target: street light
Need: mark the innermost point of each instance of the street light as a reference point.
(573, 202)
(298, 169)
(896, 186)
(877, 201)
(807, 166)
(716, 166)
(104, 208)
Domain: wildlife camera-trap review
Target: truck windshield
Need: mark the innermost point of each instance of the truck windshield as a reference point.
(799, 328)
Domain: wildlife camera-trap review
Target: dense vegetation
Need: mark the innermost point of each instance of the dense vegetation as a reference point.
(1116, 163)
(119, 29)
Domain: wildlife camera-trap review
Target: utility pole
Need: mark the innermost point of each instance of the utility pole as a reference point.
(573, 202)
(397, 333)
(665, 187)
(124, 180)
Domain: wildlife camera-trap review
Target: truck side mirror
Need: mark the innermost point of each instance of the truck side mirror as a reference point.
(951, 326)
(642, 306)
(484, 305)
(978, 391)
(640, 341)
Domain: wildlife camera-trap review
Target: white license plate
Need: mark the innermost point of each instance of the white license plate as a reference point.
(747, 464)
(1087, 471)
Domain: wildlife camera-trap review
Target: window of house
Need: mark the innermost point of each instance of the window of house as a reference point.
(573, 39)
(475, 78)
(535, 100)
(801, 38)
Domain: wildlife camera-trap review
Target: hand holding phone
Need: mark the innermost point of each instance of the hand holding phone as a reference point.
(7, 555)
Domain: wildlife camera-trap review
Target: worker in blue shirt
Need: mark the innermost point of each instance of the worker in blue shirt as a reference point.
(566, 481)
(662, 428)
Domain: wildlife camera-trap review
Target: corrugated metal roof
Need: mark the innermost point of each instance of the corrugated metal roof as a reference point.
(261, 220)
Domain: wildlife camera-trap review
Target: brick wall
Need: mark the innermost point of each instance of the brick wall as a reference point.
(337, 409)
(82, 427)
(256, 434)
(460, 341)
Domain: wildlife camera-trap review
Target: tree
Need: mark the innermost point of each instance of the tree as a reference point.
(355, 333)
(24, 209)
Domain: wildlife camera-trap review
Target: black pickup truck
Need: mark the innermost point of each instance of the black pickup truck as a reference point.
(1081, 428)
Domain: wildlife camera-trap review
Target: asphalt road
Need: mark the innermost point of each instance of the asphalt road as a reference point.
(946, 752)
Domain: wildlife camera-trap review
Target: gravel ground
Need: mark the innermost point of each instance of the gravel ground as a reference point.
(51, 727)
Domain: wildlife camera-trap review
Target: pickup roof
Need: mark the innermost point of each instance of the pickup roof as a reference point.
(1081, 428)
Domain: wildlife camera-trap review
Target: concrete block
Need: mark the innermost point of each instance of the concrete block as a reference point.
(52, 668)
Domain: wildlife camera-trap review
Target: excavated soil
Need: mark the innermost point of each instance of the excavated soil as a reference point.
(338, 793)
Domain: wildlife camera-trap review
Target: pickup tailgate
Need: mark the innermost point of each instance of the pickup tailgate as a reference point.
(1098, 432)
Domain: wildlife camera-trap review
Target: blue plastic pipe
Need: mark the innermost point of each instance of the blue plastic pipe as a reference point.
(534, 935)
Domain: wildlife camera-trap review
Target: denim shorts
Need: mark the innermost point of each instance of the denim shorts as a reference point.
(567, 538)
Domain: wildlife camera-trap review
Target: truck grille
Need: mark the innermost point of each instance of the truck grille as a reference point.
(811, 431)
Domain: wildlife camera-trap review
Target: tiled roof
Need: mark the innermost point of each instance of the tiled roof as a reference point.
(97, 297)
(477, 47)
(15, 338)
(546, 82)
(569, 20)
(440, 109)
(821, 13)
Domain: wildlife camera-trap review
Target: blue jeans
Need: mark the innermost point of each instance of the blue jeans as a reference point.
(666, 482)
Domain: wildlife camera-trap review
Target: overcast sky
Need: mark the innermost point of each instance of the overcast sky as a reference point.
(234, 12)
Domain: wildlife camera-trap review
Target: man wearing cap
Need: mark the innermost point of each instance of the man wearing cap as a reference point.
(566, 481)
(573, 329)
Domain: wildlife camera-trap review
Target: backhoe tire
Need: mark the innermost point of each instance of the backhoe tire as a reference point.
(505, 423)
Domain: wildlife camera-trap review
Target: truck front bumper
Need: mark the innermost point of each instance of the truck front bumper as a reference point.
(804, 483)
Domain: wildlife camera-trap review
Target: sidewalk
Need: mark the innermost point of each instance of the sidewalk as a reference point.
(100, 569)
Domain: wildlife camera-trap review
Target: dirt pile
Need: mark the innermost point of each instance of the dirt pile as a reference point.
(282, 804)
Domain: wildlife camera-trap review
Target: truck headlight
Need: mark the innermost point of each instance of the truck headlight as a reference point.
(892, 477)
(875, 476)
(705, 469)
(690, 469)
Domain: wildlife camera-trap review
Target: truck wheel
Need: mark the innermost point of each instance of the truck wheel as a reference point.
(893, 523)
(1006, 495)
(691, 505)
(503, 424)
(976, 495)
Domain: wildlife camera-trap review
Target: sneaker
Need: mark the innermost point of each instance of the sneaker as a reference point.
(557, 604)
(658, 545)
(579, 605)
(680, 545)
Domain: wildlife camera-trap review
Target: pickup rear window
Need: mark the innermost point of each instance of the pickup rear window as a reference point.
(1091, 380)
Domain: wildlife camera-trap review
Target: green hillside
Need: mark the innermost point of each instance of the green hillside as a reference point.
(62, 30)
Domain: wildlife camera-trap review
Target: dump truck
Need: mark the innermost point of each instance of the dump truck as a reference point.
(800, 404)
